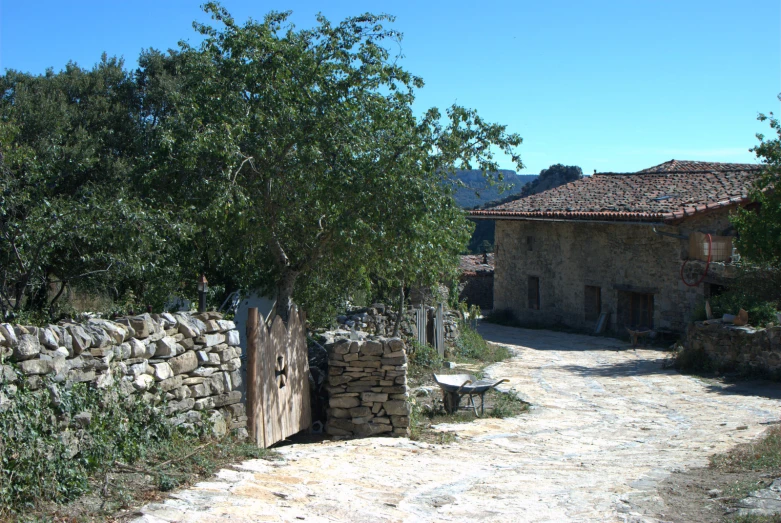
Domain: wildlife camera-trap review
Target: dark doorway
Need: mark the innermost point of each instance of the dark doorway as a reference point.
(534, 293)
(592, 304)
(636, 310)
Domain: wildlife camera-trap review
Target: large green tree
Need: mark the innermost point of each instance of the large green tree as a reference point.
(759, 225)
(72, 208)
(315, 165)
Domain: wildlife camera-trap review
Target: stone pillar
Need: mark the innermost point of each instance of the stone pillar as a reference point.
(367, 387)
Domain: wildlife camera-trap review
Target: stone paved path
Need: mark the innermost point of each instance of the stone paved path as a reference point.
(608, 424)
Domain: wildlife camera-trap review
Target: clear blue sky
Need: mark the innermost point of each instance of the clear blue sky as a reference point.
(607, 85)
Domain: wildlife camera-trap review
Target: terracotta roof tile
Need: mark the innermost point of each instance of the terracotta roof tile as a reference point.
(680, 166)
(665, 192)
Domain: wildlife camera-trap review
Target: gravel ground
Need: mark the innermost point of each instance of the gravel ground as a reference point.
(609, 425)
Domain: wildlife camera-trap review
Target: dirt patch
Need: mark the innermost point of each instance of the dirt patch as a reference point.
(704, 495)
(713, 493)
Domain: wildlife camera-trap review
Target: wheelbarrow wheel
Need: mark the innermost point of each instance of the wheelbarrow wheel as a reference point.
(451, 400)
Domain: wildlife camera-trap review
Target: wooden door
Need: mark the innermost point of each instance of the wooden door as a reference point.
(277, 378)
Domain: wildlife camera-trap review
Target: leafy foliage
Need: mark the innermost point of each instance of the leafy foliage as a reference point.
(756, 290)
(471, 346)
(269, 158)
(47, 452)
(308, 147)
(759, 225)
(72, 205)
(423, 355)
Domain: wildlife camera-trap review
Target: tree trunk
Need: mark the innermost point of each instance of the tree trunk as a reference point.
(399, 313)
(285, 286)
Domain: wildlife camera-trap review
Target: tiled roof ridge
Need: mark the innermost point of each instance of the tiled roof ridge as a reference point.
(641, 197)
(665, 173)
(699, 165)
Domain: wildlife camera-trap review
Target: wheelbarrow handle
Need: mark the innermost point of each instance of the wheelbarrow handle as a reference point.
(467, 382)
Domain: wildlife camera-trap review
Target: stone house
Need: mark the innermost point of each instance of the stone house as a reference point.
(616, 243)
(476, 281)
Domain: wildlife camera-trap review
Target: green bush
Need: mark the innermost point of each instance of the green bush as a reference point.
(756, 290)
(424, 355)
(53, 438)
(507, 405)
(471, 346)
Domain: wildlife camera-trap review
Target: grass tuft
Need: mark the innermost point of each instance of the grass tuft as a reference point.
(761, 455)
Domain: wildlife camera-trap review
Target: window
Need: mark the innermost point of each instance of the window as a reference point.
(534, 292)
(529, 243)
(636, 309)
(592, 305)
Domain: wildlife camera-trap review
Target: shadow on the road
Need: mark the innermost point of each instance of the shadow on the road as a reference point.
(542, 339)
(746, 387)
(729, 385)
(623, 369)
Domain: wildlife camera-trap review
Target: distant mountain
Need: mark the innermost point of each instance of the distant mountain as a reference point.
(549, 178)
(477, 192)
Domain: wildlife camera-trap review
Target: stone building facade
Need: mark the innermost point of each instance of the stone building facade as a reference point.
(615, 244)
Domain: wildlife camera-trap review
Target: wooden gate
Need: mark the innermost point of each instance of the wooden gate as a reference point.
(277, 378)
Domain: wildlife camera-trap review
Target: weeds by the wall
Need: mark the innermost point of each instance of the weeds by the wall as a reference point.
(425, 356)
(693, 360)
(55, 438)
(472, 347)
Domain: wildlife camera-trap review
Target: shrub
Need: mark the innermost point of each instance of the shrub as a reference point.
(424, 355)
(693, 360)
(507, 405)
(53, 438)
(471, 346)
(756, 290)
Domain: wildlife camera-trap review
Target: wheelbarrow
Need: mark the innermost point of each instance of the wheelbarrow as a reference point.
(456, 386)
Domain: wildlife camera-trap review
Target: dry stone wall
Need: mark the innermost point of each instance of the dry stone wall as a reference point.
(367, 387)
(380, 320)
(756, 351)
(187, 363)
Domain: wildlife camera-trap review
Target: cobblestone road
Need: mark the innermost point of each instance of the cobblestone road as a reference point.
(607, 424)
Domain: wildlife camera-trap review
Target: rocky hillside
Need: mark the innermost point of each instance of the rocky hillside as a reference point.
(549, 178)
(477, 192)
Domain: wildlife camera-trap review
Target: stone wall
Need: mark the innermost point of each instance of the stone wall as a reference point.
(616, 257)
(379, 320)
(189, 363)
(367, 387)
(477, 289)
(744, 349)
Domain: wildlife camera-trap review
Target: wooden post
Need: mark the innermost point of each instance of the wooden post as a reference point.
(254, 417)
